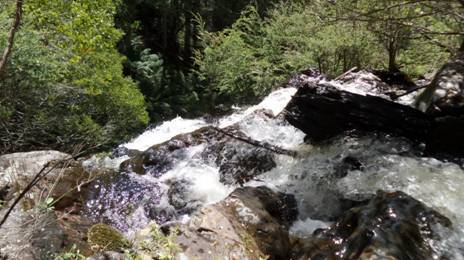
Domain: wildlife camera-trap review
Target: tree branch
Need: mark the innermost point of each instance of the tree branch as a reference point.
(11, 35)
(267, 146)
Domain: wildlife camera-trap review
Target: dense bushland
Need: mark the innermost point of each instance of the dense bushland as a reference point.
(97, 72)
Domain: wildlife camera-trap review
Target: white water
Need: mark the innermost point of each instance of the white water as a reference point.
(389, 165)
(164, 132)
(275, 102)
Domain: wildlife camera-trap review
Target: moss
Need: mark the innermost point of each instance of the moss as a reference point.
(104, 237)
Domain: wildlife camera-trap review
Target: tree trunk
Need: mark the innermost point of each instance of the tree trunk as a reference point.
(392, 67)
(11, 35)
(188, 32)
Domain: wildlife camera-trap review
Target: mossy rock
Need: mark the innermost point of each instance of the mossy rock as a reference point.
(104, 237)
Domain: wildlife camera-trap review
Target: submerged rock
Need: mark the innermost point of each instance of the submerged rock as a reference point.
(390, 226)
(239, 162)
(249, 224)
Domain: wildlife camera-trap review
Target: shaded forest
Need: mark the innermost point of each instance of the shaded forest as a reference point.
(95, 73)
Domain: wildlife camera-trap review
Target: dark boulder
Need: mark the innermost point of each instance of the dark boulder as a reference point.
(395, 78)
(349, 163)
(391, 226)
(308, 76)
(160, 158)
(239, 162)
(238, 157)
(180, 198)
(446, 138)
(323, 112)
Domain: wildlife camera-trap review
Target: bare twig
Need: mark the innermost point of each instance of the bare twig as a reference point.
(395, 96)
(46, 169)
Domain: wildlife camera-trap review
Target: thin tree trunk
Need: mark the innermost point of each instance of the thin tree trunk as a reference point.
(188, 31)
(11, 35)
(392, 67)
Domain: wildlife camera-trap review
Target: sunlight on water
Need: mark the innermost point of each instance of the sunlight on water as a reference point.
(164, 132)
(275, 102)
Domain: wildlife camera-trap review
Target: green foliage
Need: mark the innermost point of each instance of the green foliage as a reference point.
(255, 55)
(73, 254)
(46, 205)
(169, 91)
(64, 85)
(160, 246)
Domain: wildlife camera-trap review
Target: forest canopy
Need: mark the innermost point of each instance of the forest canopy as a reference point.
(96, 72)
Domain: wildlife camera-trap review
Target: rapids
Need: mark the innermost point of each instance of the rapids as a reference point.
(387, 163)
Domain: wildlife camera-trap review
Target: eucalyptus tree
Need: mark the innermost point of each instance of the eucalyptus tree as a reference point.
(398, 23)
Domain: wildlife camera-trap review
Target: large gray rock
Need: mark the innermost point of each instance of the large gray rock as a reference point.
(18, 169)
(445, 94)
(249, 224)
(31, 235)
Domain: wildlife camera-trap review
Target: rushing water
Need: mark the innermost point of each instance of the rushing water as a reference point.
(388, 163)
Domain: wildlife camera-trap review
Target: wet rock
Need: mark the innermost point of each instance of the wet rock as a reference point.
(123, 200)
(446, 138)
(323, 112)
(396, 78)
(390, 226)
(123, 151)
(31, 235)
(349, 163)
(250, 223)
(309, 76)
(160, 158)
(239, 162)
(63, 180)
(180, 198)
(445, 94)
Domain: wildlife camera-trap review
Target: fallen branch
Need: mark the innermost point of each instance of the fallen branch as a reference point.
(46, 169)
(395, 96)
(346, 73)
(267, 146)
(40, 175)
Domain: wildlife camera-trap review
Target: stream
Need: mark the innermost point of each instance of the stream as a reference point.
(323, 179)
